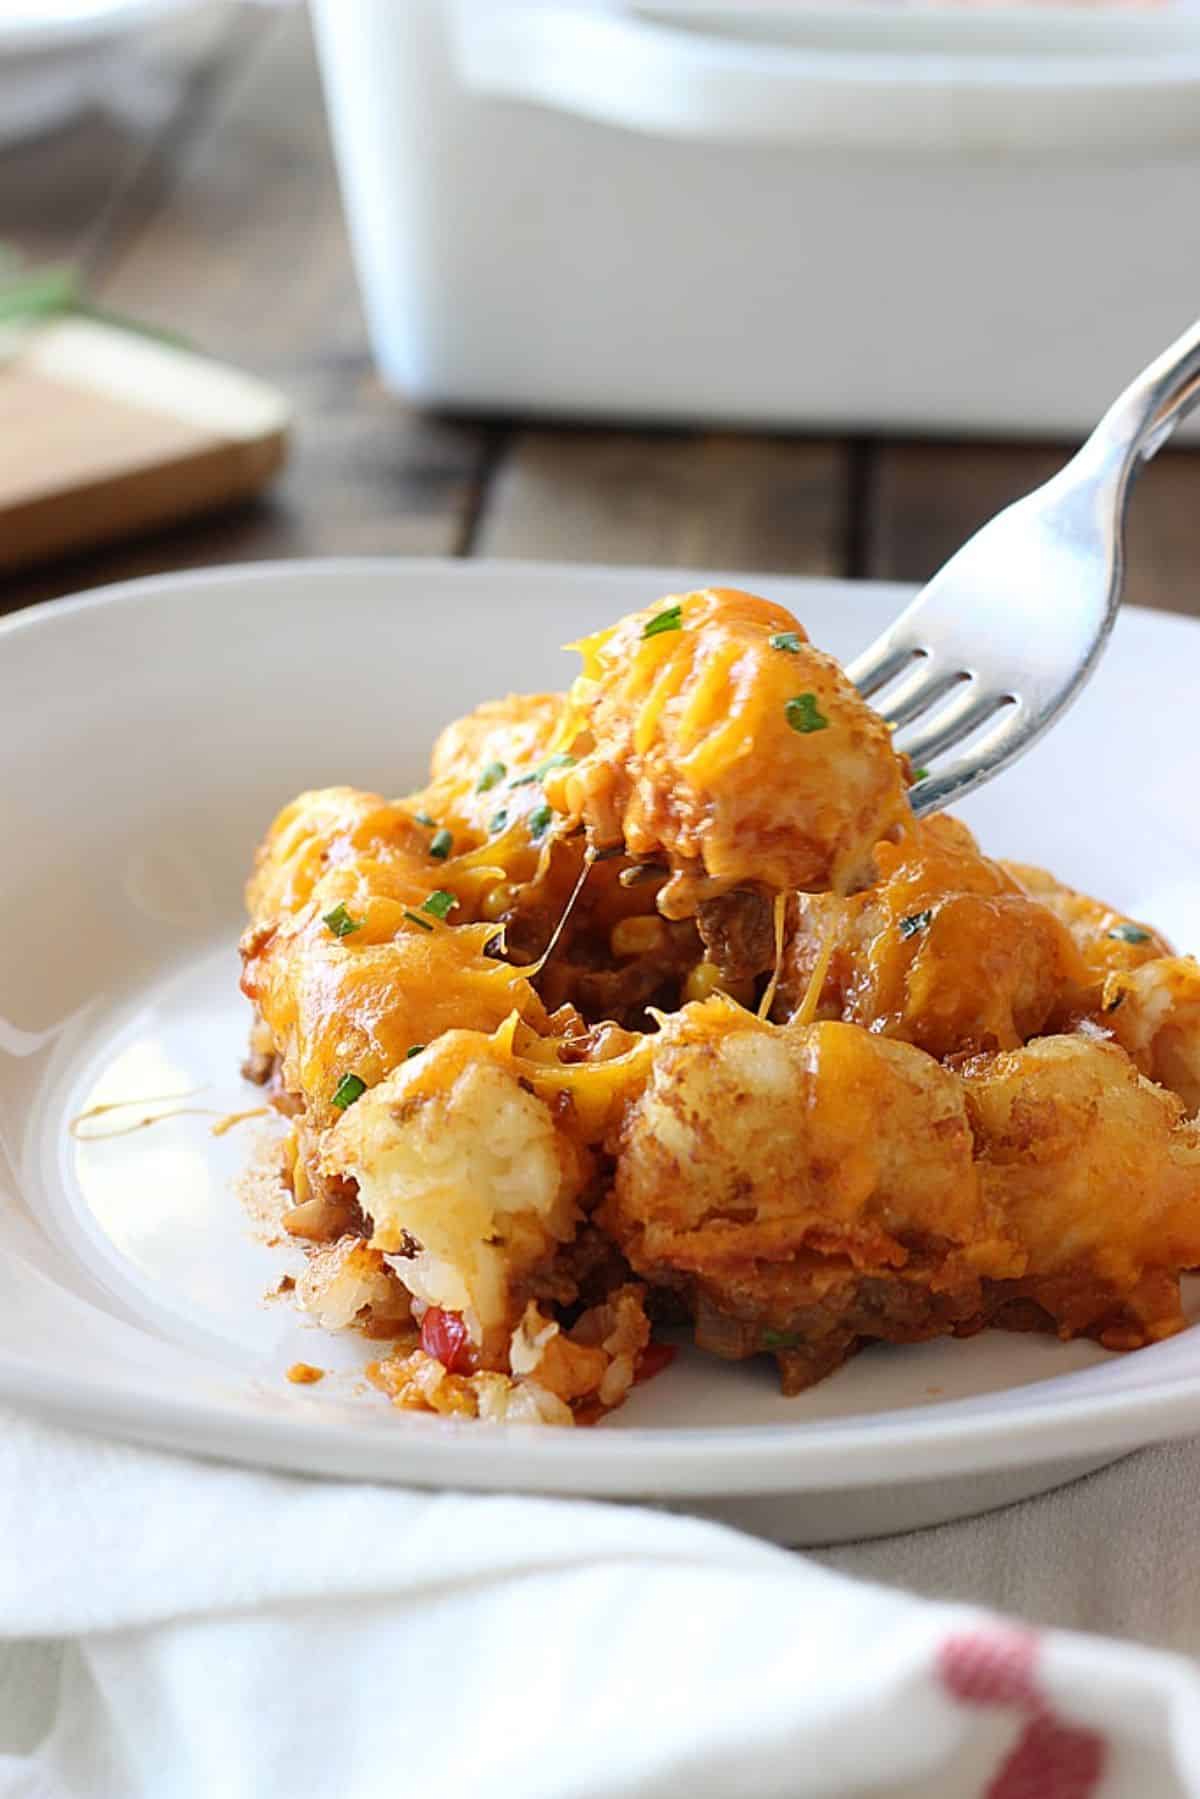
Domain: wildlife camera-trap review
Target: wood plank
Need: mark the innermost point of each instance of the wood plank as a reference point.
(243, 251)
(1164, 534)
(924, 500)
(714, 501)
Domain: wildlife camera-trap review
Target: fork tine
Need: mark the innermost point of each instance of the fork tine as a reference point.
(941, 730)
(1002, 744)
(880, 663)
(918, 691)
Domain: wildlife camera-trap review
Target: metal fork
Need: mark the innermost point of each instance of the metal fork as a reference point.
(1004, 637)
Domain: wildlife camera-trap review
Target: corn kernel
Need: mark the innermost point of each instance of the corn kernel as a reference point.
(705, 979)
(497, 901)
(638, 937)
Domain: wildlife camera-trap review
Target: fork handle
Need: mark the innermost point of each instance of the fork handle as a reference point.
(1141, 420)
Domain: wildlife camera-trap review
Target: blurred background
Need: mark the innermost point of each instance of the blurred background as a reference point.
(755, 286)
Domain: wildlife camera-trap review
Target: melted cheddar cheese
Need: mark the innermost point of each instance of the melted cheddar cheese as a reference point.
(729, 747)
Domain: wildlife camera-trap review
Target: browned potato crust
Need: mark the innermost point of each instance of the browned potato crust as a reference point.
(945, 950)
(1108, 941)
(815, 1184)
(1098, 1175)
(1153, 1011)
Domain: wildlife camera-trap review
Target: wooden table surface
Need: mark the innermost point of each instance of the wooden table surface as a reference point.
(220, 219)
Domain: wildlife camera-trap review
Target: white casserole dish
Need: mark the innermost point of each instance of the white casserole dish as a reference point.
(772, 215)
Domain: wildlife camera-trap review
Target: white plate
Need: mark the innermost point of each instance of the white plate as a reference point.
(147, 735)
(58, 56)
(27, 26)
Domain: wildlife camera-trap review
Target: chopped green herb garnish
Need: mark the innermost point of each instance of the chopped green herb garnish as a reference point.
(442, 844)
(561, 760)
(1130, 933)
(349, 1088)
(804, 715)
(491, 777)
(539, 821)
(423, 818)
(341, 923)
(415, 918)
(31, 295)
(670, 619)
(779, 1340)
(916, 921)
(499, 822)
(920, 774)
(787, 640)
(39, 294)
(439, 903)
(414, 1049)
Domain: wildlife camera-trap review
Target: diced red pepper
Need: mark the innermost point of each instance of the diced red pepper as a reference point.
(653, 1359)
(444, 1337)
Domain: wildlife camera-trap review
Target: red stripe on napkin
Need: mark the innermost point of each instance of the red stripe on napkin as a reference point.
(1052, 1759)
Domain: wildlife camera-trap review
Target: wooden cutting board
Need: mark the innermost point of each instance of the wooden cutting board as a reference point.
(105, 433)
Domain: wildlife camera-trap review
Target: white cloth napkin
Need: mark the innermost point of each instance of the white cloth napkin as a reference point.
(227, 1633)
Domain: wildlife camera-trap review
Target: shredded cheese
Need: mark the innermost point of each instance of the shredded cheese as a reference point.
(807, 1009)
(768, 998)
(668, 681)
(707, 701)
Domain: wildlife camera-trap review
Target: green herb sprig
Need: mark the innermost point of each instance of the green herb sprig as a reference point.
(804, 714)
(340, 922)
(561, 760)
(349, 1088)
(916, 921)
(669, 619)
(39, 295)
(440, 903)
(1129, 933)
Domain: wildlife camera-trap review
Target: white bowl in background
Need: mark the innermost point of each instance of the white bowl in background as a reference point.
(56, 55)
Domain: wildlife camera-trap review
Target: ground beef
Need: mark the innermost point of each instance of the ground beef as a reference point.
(738, 932)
